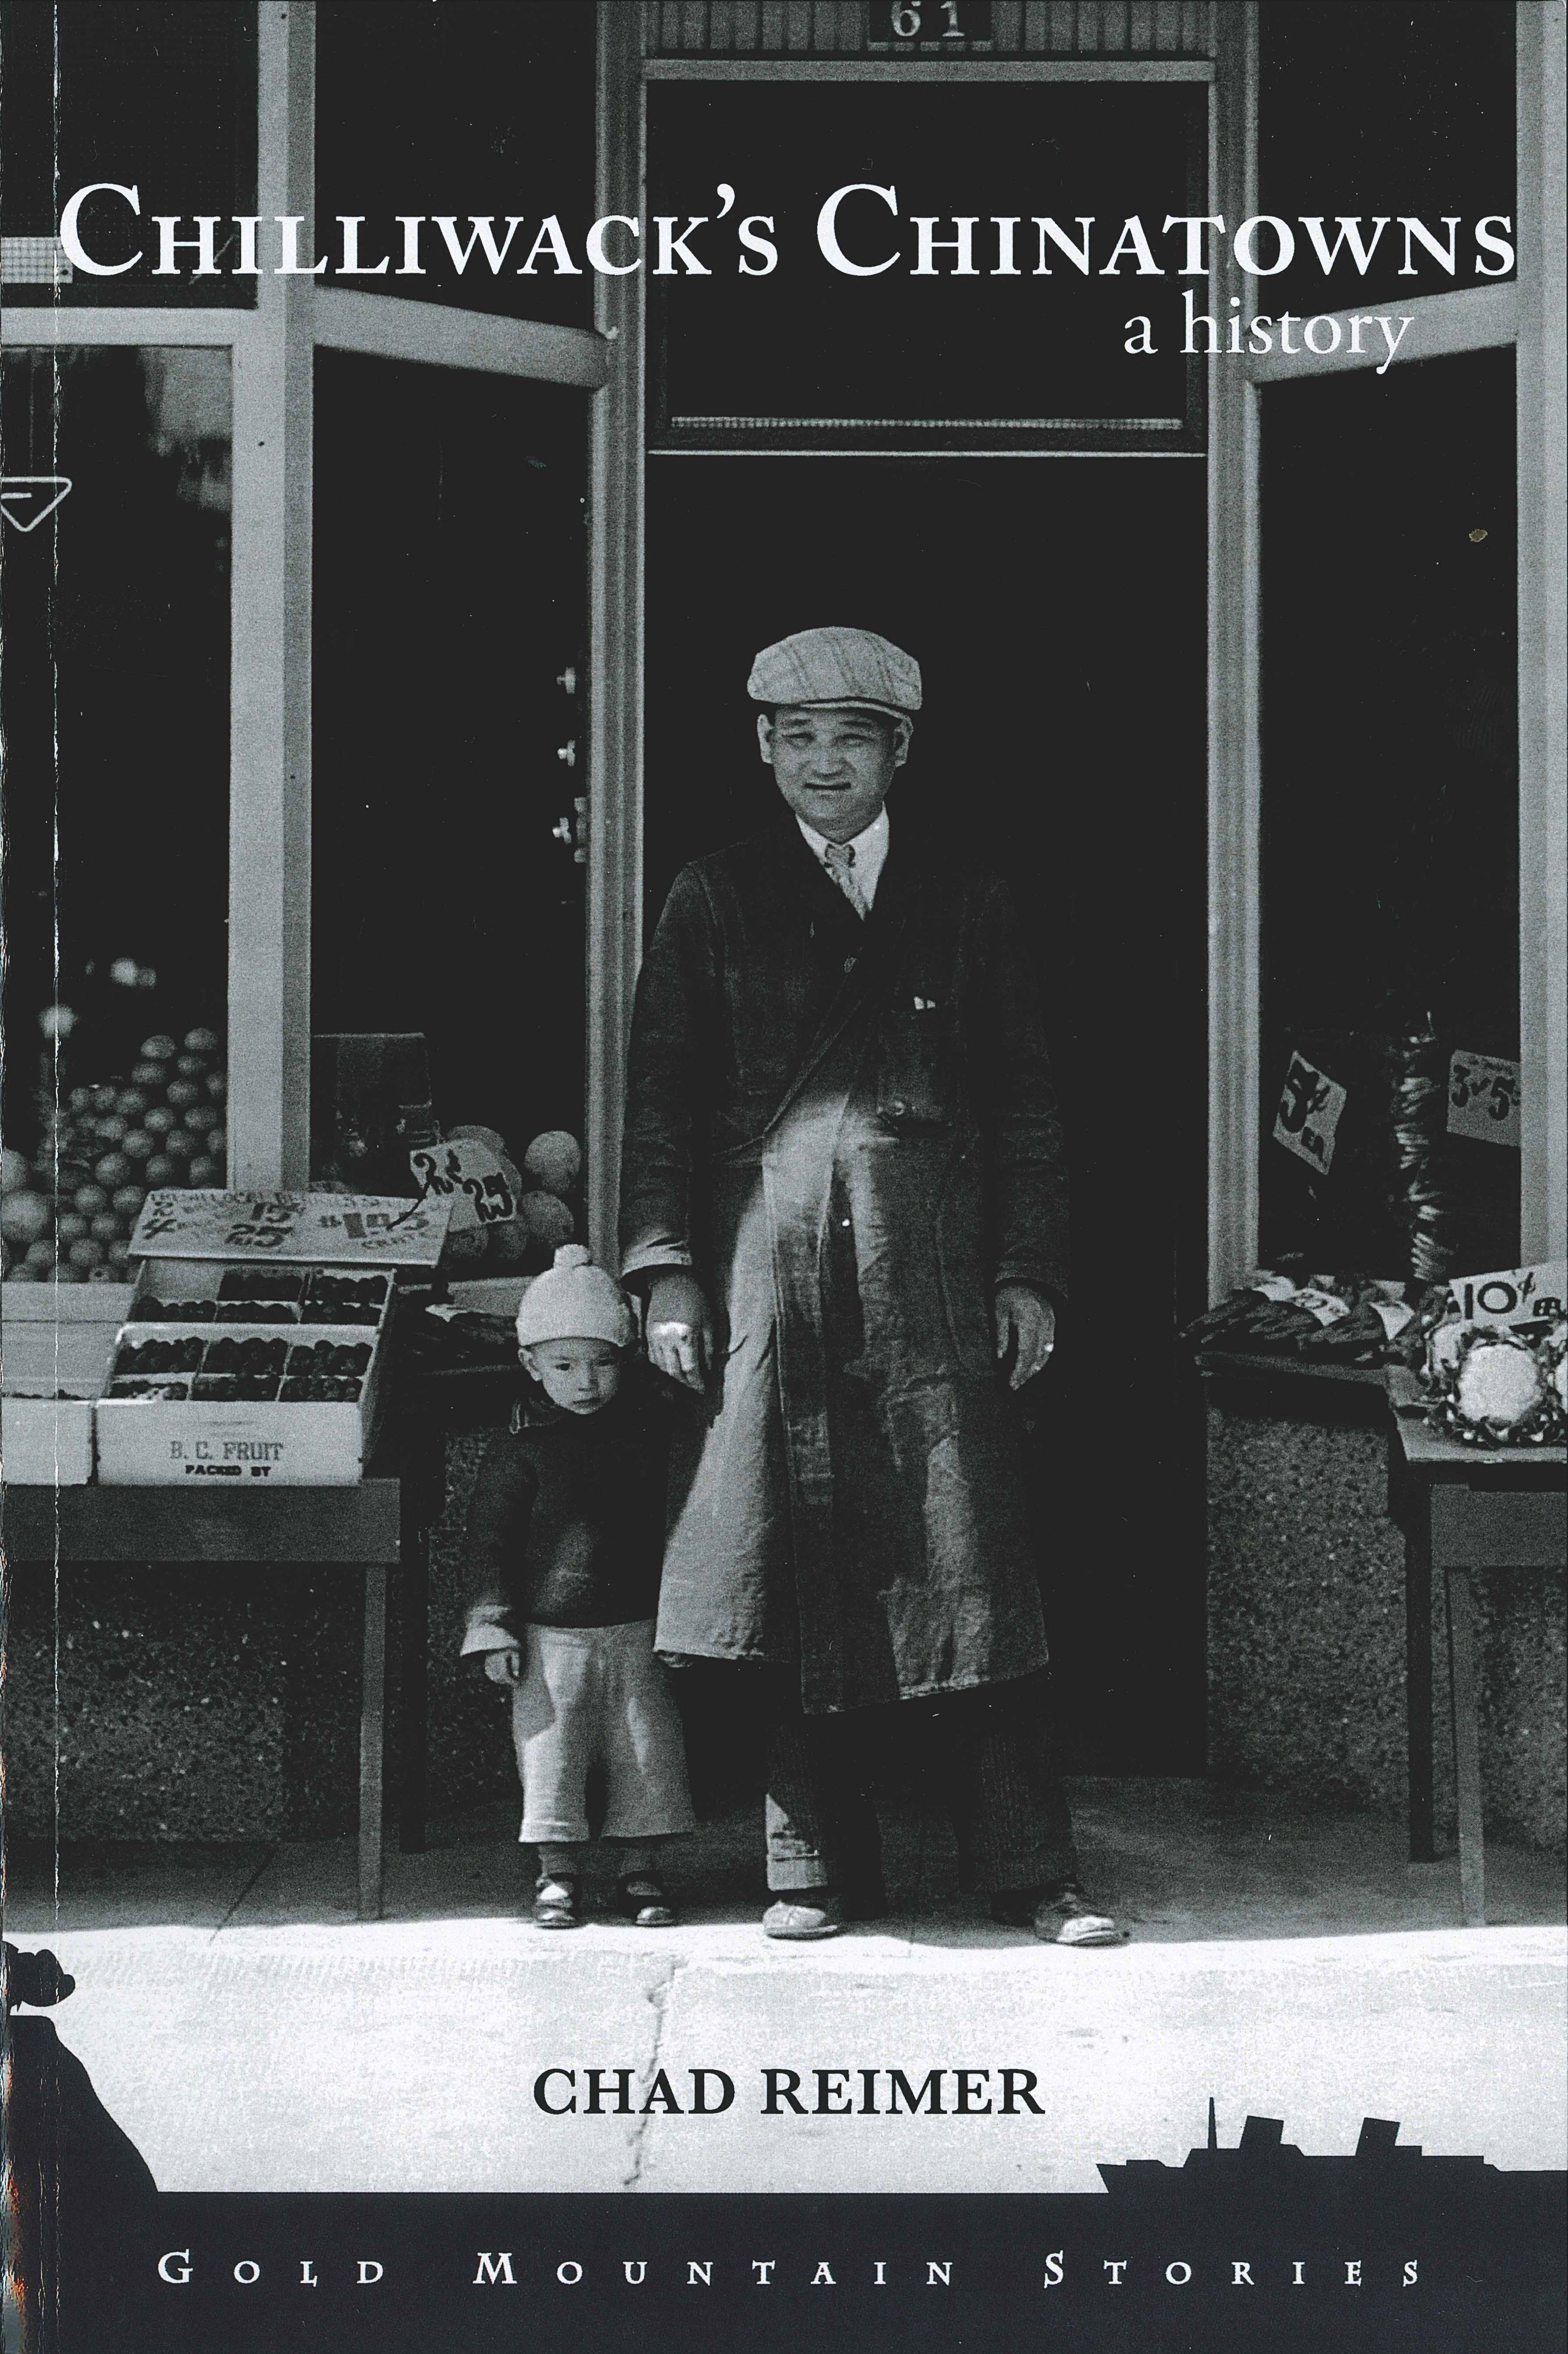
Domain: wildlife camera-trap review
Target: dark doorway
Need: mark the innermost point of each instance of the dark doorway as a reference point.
(1056, 607)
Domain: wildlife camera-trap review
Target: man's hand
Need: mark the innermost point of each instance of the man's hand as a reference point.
(504, 1667)
(680, 1328)
(1025, 1323)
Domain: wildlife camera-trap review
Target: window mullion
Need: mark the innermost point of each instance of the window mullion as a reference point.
(1543, 650)
(1475, 318)
(435, 335)
(1234, 753)
(269, 774)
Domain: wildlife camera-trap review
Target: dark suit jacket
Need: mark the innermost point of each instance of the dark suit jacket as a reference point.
(848, 1130)
(753, 947)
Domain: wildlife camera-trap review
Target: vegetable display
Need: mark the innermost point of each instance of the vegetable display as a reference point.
(1327, 1319)
(1488, 1386)
(545, 1207)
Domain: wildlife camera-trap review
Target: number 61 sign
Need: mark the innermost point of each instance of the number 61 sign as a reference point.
(958, 23)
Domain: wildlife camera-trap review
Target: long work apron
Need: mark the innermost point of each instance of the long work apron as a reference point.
(851, 1498)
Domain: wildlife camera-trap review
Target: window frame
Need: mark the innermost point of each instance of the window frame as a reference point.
(1529, 316)
(272, 350)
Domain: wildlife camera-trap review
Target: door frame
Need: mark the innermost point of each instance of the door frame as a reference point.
(1530, 316)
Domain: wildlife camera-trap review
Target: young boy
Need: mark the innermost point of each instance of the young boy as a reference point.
(566, 1531)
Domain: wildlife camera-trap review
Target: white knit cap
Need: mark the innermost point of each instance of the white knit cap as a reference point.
(574, 1300)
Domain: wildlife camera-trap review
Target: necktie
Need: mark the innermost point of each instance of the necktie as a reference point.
(838, 857)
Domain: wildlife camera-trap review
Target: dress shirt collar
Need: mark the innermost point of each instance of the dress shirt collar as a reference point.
(869, 851)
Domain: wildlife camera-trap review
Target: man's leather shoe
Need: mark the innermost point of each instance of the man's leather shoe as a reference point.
(814, 1912)
(1060, 1917)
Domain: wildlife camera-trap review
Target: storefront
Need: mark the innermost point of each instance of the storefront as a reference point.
(382, 661)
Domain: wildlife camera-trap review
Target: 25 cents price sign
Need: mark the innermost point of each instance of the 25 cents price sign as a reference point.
(1483, 1098)
(471, 1175)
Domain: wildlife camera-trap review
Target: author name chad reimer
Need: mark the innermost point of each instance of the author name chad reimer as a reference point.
(790, 2091)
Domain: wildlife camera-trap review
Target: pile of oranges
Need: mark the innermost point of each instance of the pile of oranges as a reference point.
(67, 1215)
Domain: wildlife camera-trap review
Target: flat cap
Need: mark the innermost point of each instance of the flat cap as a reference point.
(837, 669)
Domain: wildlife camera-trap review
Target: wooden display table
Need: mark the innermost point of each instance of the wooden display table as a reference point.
(430, 1405)
(1463, 1509)
(348, 1527)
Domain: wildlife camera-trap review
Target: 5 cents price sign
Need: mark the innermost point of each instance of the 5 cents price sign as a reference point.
(1307, 1117)
(1483, 1098)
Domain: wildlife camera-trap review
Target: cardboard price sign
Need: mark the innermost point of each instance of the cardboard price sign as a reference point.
(1483, 1098)
(1513, 1295)
(334, 1229)
(1307, 1117)
(1326, 1305)
(480, 1186)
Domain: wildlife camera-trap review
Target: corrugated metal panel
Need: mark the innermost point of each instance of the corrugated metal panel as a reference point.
(1020, 29)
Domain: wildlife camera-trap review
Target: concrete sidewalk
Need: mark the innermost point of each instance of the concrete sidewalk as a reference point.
(251, 2034)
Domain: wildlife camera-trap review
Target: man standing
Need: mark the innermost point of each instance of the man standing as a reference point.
(843, 1197)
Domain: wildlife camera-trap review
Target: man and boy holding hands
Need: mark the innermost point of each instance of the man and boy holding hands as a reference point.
(844, 1210)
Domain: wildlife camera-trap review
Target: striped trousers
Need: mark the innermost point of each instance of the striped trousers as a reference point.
(992, 1757)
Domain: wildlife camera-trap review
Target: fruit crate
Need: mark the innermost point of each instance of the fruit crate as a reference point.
(243, 1360)
(56, 1344)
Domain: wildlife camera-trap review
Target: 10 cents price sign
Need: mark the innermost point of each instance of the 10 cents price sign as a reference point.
(1512, 1295)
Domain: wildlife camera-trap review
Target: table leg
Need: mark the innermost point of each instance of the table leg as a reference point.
(1418, 1674)
(1467, 1748)
(372, 1740)
(422, 1454)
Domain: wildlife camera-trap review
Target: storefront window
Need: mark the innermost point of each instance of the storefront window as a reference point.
(84, 88)
(114, 655)
(1393, 111)
(1390, 841)
(474, 109)
(450, 740)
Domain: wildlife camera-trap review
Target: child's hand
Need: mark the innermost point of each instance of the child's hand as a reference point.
(504, 1667)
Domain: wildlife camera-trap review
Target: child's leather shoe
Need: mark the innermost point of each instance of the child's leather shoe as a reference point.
(557, 1900)
(644, 1903)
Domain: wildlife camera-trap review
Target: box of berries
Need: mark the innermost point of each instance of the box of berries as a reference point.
(258, 1360)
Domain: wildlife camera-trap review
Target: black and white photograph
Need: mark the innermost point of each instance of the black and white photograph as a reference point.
(810, 758)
